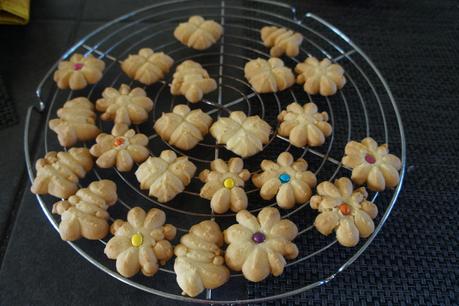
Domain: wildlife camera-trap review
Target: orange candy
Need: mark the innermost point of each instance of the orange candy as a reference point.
(118, 142)
(345, 209)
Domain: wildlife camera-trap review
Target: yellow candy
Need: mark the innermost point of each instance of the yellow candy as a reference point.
(228, 183)
(137, 239)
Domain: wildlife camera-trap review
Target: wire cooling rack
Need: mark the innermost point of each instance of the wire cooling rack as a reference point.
(364, 107)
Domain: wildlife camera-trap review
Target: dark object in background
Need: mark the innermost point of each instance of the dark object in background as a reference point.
(14, 12)
(8, 114)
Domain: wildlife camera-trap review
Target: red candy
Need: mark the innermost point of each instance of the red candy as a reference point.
(77, 66)
(370, 159)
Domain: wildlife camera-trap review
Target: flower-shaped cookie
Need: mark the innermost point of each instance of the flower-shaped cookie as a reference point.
(372, 164)
(58, 172)
(258, 247)
(77, 121)
(85, 213)
(121, 151)
(165, 176)
(268, 75)
(198, 33)
(147, 67)
(281, 41)
(345, 210)
(124, 107)
(192, 81)
(183, 127)
(199, 264)
(287, 179)
(224, 185)
(303, 125)
(320, 77)
(141, 243)
(78, 72)
(243, 135)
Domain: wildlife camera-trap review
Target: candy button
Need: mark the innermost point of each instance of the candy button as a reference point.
(137, 240)
(284, 178)
(258, 237)
(370, 159)
(228, 183)
(77, 66)
(118, 141)
(345, 209)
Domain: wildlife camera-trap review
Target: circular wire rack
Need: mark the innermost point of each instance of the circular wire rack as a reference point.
(364, 107)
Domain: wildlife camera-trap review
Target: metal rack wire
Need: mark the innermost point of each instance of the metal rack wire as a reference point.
(364, 107)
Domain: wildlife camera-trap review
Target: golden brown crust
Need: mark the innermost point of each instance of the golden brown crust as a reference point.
(372, 164)
(125, 106)
(224, 185)
(268, 75)
(85, 213)
(192, 81)
(344, 210)
(303, 125)
(199, 263)
(242, 135)
(58, 172)
(281, 41)
(258, 246)
(183, 127)
(78, 72)
(147, 66)
(121, 151)
(322, 77)
(287, 180)
(198, 33)
(76, 122)
(141, 243)
(165, 176)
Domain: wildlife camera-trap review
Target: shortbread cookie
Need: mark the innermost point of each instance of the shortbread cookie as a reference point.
(258, 246)
(243, 135)
(124, 107)
(268, 75)
(287, 180)
(303, 125)
(345, 210)
(165, 176)
(321, 77)
(58, 172)
(141, 243)
(192, 81)
(78, 72)
(199, 263)
(224, 185)
(198, 33)
(85, 213)
(76, 122)
(183, 127)
(281, 41)
(147, 67)
(372, 164)
(122, 151)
